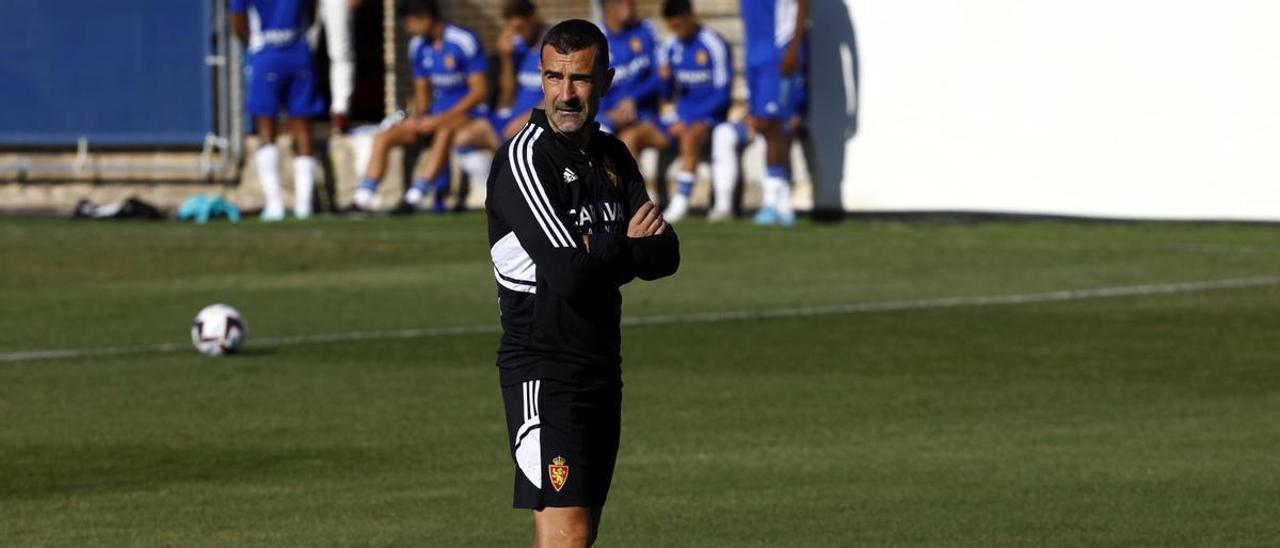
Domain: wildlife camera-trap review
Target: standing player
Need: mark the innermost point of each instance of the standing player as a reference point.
(569, 223)
(336, 16)
(696, 67)
(631, 107)
(279, 77)
(449, 89)
(775, 36)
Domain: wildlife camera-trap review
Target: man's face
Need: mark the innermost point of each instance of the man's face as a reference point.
(524, 27)
(571, 88)
(417, 25)
(620, 12)
(682, 26)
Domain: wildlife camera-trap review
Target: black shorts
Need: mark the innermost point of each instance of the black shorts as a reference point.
(564, 441)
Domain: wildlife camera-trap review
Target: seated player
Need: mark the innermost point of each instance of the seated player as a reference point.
(774, 32)
(630, 109)
(519, 90)
(279, 77)
(696, 67)
(449, 90)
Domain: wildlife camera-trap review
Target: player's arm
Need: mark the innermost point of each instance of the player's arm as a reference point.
(421, 96)
(668, 88)
(507, 73)
(239, 20)
(792, 54)
(477, 88)
(653, 250)
(651, 85)
(546, 231)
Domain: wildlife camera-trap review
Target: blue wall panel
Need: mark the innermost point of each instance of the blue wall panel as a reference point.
(125, 72)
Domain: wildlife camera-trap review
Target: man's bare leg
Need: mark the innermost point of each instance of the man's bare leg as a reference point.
(267, 160)
(692, 140)
(570, 527)
(776, 203)
(397, 135)
(640, 136)
(479, 137)
(304, 166)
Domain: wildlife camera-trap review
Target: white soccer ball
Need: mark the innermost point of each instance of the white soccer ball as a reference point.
(217, 330)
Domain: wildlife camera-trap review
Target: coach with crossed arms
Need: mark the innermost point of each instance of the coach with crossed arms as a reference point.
(569, 224)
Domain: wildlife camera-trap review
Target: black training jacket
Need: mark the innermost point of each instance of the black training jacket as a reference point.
(560, 303)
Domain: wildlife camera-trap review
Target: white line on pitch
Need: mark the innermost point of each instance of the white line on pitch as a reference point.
(699, 317)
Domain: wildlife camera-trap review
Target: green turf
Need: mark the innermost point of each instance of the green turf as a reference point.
(1136, 421)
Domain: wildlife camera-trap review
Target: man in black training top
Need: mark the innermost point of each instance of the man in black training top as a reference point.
(569, 223)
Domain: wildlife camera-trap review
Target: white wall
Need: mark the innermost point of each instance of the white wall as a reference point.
(1128, 108)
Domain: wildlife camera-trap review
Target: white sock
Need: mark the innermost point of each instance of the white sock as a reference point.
(783, 201)
(476, 164)
(770, 187)
(363, 197)
(267, 159)
(724, 164)
(304, 184)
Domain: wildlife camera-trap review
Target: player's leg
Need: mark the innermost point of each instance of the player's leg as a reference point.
(263, 101)
(692, 141)
(727, 140)
(474, 145)
(398, 135)
(777, 172)
(267, 161)
(434, 176)
(642, 135)
(514, 125)
(336, 15)
(772, 105)
(304, 166)
(304, 101)
(564, 442)
(569, 527)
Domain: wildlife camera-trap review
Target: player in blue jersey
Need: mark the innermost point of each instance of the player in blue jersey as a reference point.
(774, 31)
(519, 91)
(449, 90)
(280, 78)
(630, 109)
(696, 68)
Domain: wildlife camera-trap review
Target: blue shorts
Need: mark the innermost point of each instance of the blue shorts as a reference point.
(501, 117)
(282, 79)
(664, 124)
(643, 114)
(773, 96)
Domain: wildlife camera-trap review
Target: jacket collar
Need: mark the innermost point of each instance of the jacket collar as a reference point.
(538, 117)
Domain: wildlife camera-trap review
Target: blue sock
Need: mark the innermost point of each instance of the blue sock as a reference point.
(685, 181)
(441, 186)
(778, 171)
(369, 184)
(421, 185)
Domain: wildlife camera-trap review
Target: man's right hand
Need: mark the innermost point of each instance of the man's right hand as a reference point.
(646, 222)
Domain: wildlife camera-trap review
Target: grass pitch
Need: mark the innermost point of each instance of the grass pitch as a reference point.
(1142, 420)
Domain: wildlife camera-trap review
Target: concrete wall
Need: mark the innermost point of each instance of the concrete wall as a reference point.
(1130, 108)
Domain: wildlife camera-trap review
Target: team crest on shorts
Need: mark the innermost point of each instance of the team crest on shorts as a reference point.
(559, 473)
